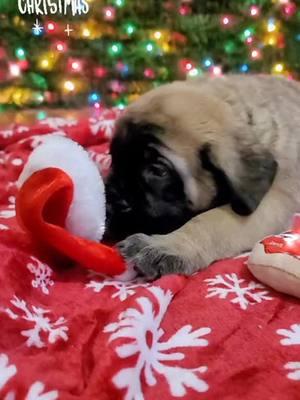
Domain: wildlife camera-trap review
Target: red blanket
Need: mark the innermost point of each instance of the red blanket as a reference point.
(69, 334)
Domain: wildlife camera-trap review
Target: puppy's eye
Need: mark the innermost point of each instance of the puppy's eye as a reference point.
(158, 170)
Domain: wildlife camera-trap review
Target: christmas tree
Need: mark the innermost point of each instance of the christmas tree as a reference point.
(110, 52)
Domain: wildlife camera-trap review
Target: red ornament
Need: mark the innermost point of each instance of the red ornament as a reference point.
(149, 73)
(185, 9)
(116, 86)
(109, 13)
(178, 37)
(289, 9)
(2, 53)
(281, 41)
(100, 72)
(24, 64)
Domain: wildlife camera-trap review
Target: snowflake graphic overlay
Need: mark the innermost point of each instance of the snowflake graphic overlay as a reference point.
(42, 324)
(141, 326)
(42, 275)
(245, 293)
(123, 289)
(37, 28)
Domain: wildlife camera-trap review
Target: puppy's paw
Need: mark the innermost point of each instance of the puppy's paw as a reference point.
(151, 258)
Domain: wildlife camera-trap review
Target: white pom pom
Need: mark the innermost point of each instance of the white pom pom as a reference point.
(86, 216)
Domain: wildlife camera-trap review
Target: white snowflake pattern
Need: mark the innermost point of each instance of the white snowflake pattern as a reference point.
(141, 326)
(294, 367)
(123, 289)
(42, 324)
(42, 275)
(57, 123)
(246, 293)
(292, 335)
(6, 133)
(36, 392)
(292, 338)
(103, 160)
(36, 140)
(10, 212)
(7, 371)
(22, 129)
(17, 162)
(3, 227)
(103, 123)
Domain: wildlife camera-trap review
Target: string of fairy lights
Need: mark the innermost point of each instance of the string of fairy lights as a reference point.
(92, 81)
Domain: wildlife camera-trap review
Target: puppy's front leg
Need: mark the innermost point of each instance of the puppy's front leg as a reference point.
(213, 235)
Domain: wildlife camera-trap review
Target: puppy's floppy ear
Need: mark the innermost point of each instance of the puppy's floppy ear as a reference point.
(245, 184)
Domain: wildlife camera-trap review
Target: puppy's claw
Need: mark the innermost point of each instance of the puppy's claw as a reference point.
(150, 258)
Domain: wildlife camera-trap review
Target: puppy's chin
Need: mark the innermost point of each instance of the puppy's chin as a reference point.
(118, 227)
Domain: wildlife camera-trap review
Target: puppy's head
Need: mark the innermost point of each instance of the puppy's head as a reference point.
(178, 152)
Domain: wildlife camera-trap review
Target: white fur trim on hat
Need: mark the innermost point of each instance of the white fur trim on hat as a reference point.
(86, 216)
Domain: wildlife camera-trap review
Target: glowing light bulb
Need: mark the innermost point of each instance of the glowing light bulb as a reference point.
(51, 27)
(14, 70)
(109, 13)
(86, 32)
(75, 65)
(217, 70)
(119, 3)
(129, 28)
(247, 33)
(255, 54)
(254, 11)
(289, 9)
(69, 86)
(149, 47)
(94, 97)
(244, 68)
(225, 20)
(271, 25)
(44, 63)
(60, 46)
(157, 35)
(20, 53)
(194, 72)
(278, 68)
(149, 73)
(207, 62)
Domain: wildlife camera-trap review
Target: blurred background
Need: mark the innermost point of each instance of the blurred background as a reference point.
(122, 48)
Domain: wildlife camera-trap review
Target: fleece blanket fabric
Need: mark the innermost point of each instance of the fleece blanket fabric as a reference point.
(67, 333)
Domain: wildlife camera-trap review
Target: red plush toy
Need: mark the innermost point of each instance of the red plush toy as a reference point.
(61, 203)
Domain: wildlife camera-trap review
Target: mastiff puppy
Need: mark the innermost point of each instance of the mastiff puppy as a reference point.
(201, 170)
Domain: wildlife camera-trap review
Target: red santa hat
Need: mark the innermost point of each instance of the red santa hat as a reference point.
(61, 204)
